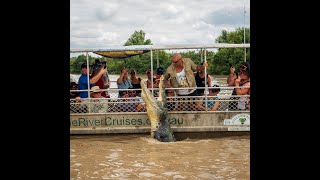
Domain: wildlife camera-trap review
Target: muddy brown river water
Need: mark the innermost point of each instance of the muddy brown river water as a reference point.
(137, 156)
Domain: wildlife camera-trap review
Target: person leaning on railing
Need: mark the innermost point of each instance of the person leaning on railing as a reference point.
(172, 104)
(73, 86)
(212, 102)
(129, 101)
(181, 75)
(98, 103)
(122, 104)
(74, 98)
(133, 100)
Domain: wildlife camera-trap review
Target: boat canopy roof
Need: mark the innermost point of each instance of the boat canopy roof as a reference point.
(120, 54)
(127, 51)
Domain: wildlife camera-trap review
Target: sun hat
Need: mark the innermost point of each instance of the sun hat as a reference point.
(95, 89)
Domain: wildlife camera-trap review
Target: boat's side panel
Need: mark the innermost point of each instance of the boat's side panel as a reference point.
(139, 123)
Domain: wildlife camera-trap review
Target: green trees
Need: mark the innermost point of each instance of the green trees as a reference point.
(72, 68)
(75, 63)
(139, 62)
(225, 56)
(218, 62)
(138, 38)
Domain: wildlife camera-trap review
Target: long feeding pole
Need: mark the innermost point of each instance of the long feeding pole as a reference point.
(151, 59)
(244, 29)
(88, 75)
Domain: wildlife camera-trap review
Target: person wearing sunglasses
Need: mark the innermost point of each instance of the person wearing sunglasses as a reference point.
(181, 75)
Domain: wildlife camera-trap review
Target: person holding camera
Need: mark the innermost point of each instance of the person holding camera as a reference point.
(101, 81)
(232, 76)
(239, 79)
(243, 80)
(123, 81)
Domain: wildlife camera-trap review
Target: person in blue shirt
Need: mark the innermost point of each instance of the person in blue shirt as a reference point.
(83, 80)
(123, 81)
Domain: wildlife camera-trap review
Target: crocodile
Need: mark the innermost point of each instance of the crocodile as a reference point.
(158, 112)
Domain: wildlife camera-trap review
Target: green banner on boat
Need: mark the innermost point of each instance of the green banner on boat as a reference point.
(121, 54)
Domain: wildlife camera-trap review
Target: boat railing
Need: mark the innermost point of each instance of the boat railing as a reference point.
(113, 92)
(116, 104)
(185, 104)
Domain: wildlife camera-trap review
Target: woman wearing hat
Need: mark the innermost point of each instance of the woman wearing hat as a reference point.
(98, 104)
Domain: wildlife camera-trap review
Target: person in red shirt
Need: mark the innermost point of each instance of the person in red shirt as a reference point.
(100, 82)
